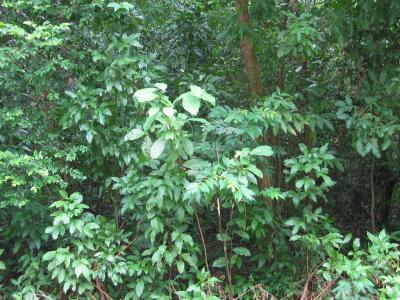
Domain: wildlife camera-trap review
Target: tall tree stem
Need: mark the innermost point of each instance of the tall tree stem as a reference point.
(372, 188)
(250, 61)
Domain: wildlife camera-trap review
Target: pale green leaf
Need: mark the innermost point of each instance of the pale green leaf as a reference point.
(169, 111)
(197, 91)
(181, 266)
(146, 95)
(190, 103)
(262, 151)
(241, 251)
(157, 148)
(89, 137)
(208, 98)
(133, 134)
(153, 110)
(161, 86)
(253, 169)
(219, 263)
(139, 288)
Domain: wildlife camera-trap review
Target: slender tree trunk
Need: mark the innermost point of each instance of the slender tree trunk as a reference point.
(308, 137)
(252, 69)
(372, 188)
(250, 61)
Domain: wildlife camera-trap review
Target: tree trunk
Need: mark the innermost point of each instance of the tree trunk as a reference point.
(372, 188)
(250, 61)
(252, 70)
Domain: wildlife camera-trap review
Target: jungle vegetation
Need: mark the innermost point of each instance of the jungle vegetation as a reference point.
(199, 149)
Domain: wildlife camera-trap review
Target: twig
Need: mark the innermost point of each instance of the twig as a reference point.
(175, 290)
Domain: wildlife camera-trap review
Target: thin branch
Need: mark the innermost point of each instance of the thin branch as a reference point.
(103, 294)
(202, 238)
(228, 271)
(226, 231)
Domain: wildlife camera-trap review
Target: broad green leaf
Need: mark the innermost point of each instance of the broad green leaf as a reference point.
(169, 111)
(146, 95)
(70, 94)
(64, 194)
(219, 263)
(114, 5)
(262, 151)
(161, 86)
(76, 197)
(208, 98)
(346, 238)
(153, 110)
(66, 286)
(118, 86)
(181, 266)
(89, 137)
(196, 164)
(149, 122)
(356, 244)
(189, 259)
(139, 288)
(130, 295)
(242, 234)
(190, 103)
(169, 135)
(157, 148)
(81, 269)
(202, 94)
(197, 91)
(253, 169)
(49, 255)
(188, 146)
(134, 134)
(299, 183)
(241, 251)
(128, 6)
(223, 237)
(146, 145)
(156, 257)
(117, 6)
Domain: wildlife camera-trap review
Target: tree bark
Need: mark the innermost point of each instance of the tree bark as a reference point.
(250, 61)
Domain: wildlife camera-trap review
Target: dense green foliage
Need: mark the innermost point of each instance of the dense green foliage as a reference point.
(191, 149)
